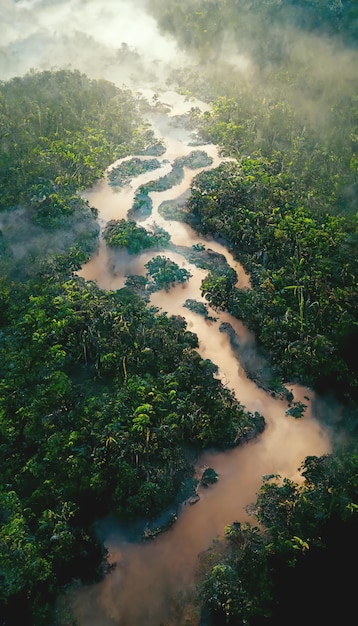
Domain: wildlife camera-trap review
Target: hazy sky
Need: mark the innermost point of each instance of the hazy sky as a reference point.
(83, 34)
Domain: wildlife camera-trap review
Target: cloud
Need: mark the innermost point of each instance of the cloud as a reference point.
(111, 39)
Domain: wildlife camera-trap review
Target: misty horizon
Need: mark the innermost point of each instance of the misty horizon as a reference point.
(123, 42)
(112, 40)
(273, 104)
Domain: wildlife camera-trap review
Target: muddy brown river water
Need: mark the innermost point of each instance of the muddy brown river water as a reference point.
(152, 582)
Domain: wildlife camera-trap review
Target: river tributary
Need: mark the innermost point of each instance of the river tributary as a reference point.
(152, 581)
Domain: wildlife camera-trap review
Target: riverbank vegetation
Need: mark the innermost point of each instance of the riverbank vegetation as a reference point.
(303, 266)
(126, 234)
(301, 565)
(286, 203)
(283, 101)
(163, 273)
(104, 401)
(123, 173)
(142, 205)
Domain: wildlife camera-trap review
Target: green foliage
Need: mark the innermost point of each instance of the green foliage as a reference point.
(164, 273)
(142, 204)
(239, 585)
(249, 575)
(22, 562)
(209, 476)
(171, 210)
(122, 174)
(98, 396)
(288, 210)
(302, 263)
(203, 27)
(194, 160)
(198, 307)
(61, 129)
(219, 289)
(126, 234)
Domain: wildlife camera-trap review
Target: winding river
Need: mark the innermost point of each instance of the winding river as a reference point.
(152, 583)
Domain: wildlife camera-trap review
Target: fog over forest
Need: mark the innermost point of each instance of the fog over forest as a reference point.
(123, 42)
(278, 87)
(147, 43)
(111, 39)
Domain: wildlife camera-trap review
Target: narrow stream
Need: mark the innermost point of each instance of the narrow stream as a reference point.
(152, 582)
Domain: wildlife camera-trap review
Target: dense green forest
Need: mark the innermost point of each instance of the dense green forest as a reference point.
(287, 207)
(286, 204)
(105, 401)
(263, 27)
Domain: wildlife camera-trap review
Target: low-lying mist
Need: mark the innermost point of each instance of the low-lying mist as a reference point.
(146, 41)
(115, 40)
(155, 46)
(28, 244)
